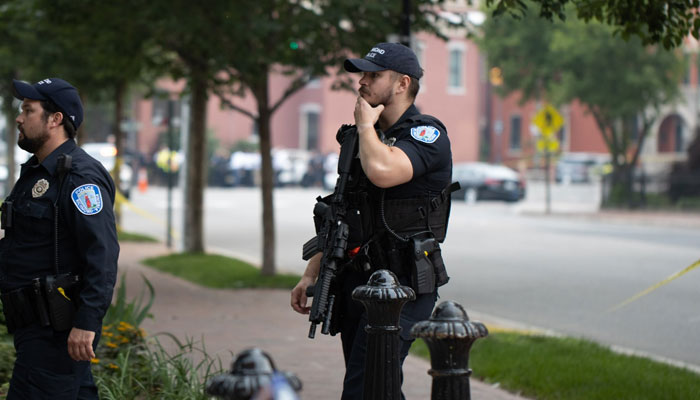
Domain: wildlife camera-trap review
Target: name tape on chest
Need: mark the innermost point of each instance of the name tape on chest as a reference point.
(87, 199)
(425, 133)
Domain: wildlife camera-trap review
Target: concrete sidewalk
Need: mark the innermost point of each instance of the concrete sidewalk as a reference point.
(229, 321)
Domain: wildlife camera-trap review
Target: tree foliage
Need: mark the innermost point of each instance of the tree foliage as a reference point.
(666, 22)
(622, 83)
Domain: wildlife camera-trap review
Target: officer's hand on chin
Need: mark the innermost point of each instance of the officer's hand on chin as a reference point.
(80, 345)
(299, 295)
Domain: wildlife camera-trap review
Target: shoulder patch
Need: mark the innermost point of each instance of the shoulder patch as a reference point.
(87, 199)
(425, 133)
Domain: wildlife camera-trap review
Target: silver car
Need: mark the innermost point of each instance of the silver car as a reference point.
(483, 181)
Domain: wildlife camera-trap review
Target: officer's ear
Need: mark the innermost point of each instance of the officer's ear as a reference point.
(404, 82)
(55, 119)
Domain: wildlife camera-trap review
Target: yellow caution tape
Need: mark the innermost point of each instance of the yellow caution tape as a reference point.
(120, 199)
(656, 286)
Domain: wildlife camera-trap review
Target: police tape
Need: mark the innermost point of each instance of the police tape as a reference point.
(120, 199)
(656, 286)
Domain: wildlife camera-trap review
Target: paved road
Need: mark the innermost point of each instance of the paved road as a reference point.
(562, 272)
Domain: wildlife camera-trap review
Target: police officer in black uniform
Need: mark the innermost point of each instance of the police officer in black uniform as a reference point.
(406, 167)
(58, 257)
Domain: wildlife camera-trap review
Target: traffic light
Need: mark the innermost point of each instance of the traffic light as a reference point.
(294, 45)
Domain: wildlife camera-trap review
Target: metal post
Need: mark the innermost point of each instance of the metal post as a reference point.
(251, 371)
(449, 335)
(171, 144)
(383, 299)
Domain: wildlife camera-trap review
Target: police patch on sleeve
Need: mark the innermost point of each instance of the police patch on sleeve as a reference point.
(88, 199)
(425, 134)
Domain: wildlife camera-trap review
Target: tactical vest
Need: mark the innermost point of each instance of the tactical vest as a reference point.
(381, 229)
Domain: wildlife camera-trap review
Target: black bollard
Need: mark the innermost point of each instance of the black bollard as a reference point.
(449, 335)
(252, 370)
(383, 299)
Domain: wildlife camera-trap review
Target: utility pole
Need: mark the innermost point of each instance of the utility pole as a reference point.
(405, 29)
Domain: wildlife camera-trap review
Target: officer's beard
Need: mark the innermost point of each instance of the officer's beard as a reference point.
(384, 99)
(32, 145)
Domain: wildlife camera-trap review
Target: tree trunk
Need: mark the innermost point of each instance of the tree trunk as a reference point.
(268, 217)
(196, 168)
(119, 90)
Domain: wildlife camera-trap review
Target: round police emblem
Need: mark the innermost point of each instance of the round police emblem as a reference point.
(87, 199)
(40, 187)
(425, 133)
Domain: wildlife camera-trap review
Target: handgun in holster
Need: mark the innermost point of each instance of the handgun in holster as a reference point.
(60, 293)
(423, 274)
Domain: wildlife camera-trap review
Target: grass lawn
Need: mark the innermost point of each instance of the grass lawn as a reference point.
(544, 367)
(124, 236)
(219, 272)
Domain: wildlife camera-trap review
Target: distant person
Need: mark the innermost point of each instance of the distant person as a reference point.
(404, 169)
(58, 259)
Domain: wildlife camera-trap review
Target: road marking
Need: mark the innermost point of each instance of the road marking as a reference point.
(656, 286)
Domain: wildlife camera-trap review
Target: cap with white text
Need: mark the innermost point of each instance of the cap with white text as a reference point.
(383, 56)
(60, 92)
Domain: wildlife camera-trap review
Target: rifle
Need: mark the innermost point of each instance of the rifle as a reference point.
(332, 236)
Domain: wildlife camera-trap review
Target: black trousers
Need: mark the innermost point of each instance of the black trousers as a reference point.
(44, 370)
(354, 337)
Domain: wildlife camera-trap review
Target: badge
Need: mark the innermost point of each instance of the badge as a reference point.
(87, 199)
(40, 187)
(425, 134)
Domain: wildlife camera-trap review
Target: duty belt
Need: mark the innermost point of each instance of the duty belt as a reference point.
(24, 306)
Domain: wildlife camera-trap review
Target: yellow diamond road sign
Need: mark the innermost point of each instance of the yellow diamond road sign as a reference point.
(548, 120)
(547, 145)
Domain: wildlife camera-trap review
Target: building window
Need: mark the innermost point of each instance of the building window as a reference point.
(310, 115)
(312, 131)
(314, 83)
(515, 133)
(455, 75)
(455, 68)
(678, 142)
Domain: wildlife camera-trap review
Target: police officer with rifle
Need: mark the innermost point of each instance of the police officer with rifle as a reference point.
(58, 257)
(389, 209)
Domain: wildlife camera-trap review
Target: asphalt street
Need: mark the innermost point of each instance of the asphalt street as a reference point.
(562, 272)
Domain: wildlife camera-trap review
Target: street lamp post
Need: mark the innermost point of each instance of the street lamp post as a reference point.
(496, 80)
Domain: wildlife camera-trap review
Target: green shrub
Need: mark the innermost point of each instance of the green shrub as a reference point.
(128, 365)
(7, 361)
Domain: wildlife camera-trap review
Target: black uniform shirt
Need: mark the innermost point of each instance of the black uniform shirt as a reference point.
(427, 146)
(87, 239)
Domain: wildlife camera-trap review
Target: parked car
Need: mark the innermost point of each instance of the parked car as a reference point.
(482, 181)
(106, 153)
(580, 167)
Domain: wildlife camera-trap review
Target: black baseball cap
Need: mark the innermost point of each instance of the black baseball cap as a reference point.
(60, 92)
(383, 56)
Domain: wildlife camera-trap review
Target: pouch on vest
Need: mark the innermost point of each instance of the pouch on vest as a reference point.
(6, 215)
